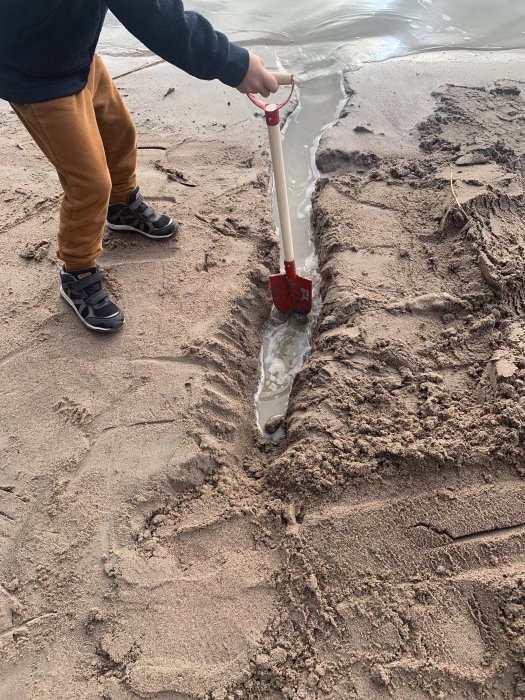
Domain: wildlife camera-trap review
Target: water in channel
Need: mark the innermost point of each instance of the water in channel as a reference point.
(287, 340)
(317, 41)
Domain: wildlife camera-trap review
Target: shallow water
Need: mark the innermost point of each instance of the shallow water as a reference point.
(315, 37)
(316, 41)
(286, 344)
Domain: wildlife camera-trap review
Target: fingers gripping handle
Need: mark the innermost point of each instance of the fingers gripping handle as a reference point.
(282, 79)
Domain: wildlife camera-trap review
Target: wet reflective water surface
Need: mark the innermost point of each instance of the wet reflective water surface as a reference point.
(317, 41)
(318, 37)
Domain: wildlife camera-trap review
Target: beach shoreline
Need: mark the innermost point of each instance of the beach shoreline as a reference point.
(150, 544)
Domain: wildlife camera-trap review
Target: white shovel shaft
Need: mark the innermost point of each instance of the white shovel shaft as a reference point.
(276, 150)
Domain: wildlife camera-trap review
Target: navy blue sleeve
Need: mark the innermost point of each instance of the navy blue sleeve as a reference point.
(185, 39)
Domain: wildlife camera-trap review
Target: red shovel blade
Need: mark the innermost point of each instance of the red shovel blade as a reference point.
(291, 297)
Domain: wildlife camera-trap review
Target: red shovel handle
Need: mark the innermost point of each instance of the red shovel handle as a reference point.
(282, 79)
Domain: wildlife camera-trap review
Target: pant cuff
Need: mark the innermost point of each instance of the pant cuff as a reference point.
(72, 264)
(121, 195)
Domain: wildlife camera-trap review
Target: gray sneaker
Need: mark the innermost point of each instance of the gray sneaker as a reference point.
(136, 215)
(85, 293)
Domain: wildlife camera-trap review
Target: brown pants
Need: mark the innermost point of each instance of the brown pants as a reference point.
(90, 139)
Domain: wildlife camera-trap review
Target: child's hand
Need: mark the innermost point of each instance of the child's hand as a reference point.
(258, 80)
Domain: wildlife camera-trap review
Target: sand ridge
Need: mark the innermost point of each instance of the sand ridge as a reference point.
(404, 467)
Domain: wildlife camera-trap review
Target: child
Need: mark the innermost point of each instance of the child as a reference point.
(63, 94)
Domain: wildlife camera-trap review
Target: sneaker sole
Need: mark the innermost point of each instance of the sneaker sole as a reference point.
(124, 227)
(84, 322)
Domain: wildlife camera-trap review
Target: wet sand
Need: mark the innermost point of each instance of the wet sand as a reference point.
(128, 548)
(149, 545)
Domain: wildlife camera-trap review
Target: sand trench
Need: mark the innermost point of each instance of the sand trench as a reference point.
(150, 546)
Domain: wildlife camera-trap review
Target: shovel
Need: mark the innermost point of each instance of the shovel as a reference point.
(291, 293)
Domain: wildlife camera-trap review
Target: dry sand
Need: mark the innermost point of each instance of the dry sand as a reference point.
(149, 545)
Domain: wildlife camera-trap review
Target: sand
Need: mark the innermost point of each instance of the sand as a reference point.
(150, 545)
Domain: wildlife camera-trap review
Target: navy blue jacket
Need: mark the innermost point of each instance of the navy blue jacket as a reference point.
(46, 46)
